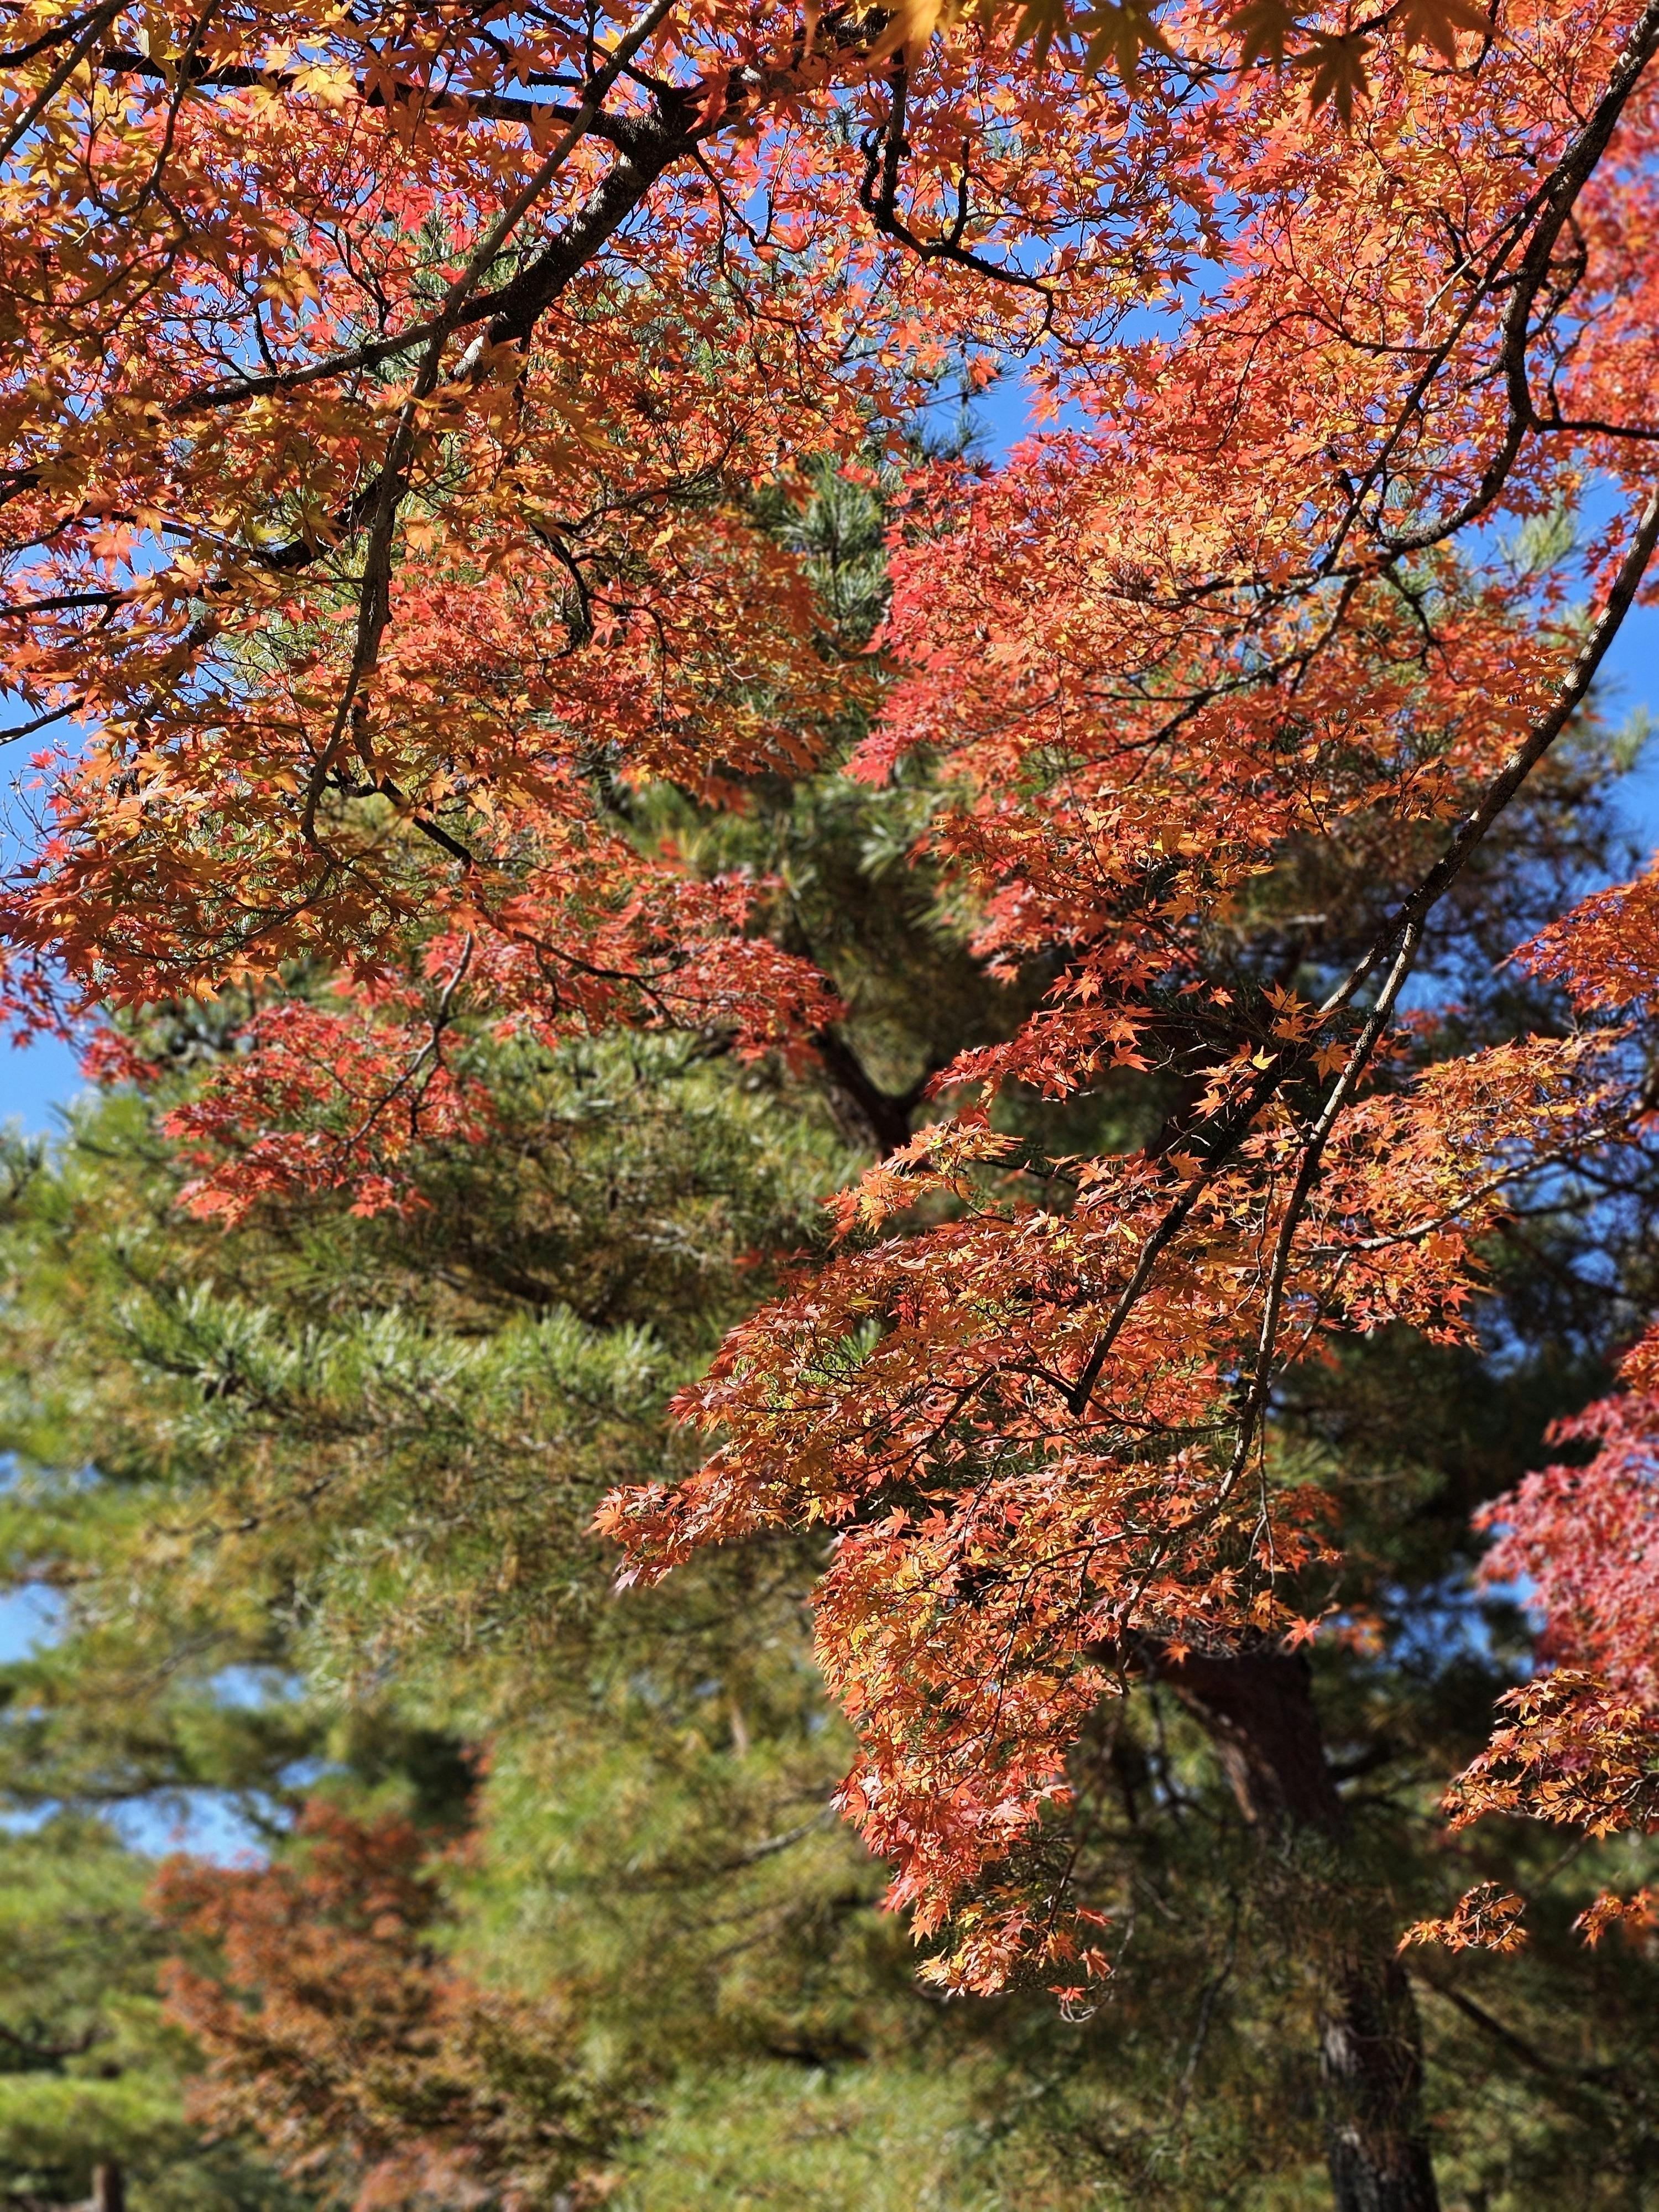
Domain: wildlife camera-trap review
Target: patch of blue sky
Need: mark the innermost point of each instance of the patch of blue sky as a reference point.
(29, 1617)
(40, 1078)
(208, 1824)
(222, 1825)
(229, 1827)
(253, 1689)
(216, 1824)
(36, 1081)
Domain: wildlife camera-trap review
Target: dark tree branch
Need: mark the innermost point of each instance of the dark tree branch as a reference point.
(883, 1115)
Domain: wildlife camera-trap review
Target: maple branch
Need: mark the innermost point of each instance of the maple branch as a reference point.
(686, 114)
(1407, 927)
(207, 76)
(96, 26)
(1403, 927)
(374, 609)
(42, 721)
(1295, 1206)
(1491, 483)
(513, 313)
(1571, 176)
(1574, 690)
(434, 832)
(13, 56)
(883, 149)
(66, 602)
(1218, 1149)
(432, 1050)
(1556, 198)
(1622, 1125)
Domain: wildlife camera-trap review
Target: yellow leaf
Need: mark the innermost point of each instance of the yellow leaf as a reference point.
(1122, 33)
(1040, 22)
(912, 23)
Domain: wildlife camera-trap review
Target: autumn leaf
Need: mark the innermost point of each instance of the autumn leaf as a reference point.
(1488, 1917)
(1039, 23)
(1121, 34)
(1437, 23)
(1263, 29)
(1336, 67)
(1637, 1913)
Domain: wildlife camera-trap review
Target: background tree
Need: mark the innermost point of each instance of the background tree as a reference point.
(90, 2070)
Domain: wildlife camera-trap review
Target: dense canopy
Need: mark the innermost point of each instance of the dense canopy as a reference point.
(561, 759)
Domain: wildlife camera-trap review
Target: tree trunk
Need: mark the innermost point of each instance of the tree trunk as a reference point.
(108, 2194)
(1371, 2065)
(1259, 1709)
(866, 1113)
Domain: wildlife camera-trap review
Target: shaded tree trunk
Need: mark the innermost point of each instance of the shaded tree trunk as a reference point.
(867, 1114)
(1259, 1709)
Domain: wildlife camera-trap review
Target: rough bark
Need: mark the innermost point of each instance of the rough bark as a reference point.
(1259, 1712)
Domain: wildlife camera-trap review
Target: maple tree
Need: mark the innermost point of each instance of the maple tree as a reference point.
(362, 392)
(389, 402)
(372, 2070)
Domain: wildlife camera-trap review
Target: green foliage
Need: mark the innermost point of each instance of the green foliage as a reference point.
(896, 2140)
